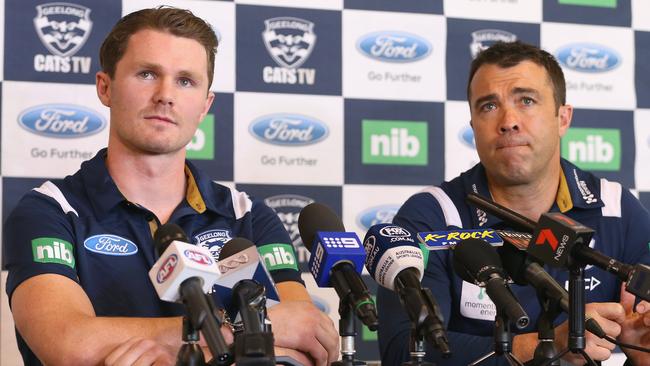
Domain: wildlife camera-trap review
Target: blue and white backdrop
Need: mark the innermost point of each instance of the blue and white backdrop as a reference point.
(354, 103)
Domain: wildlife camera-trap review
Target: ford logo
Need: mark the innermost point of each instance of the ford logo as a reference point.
(167, 268)
(61, 121)
(588, 57)
(198, 257)
(377, 215)
(110, 245)
(467, 137)
(288, 129)
(394, 46)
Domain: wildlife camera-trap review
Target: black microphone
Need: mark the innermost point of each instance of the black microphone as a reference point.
(336, 259)
(525, 271)
(475, 261)
(395, 261)
(560, 241)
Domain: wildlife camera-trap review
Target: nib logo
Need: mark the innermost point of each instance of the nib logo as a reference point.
(394, 142)
(546, 235)
(202, 144)
(593, 148)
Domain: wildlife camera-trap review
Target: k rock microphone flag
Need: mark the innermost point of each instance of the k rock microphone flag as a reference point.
(442, 240)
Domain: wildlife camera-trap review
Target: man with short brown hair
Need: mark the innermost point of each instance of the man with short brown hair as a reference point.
(78, 300)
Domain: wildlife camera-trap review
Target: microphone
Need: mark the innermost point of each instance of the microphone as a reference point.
(239, 260)
(185, 272)
(395, 261)
(524, 271)
(336, 259)
(475, 261)
(560, 241)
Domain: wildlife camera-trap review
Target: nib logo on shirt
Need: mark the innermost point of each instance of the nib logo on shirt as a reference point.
(53, 250)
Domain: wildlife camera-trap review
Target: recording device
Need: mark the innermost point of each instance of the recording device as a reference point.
(240, 260)
(560, 241)
(185, 272)
(336, 259)
(395, 261)
(254, 345)
(475, 261)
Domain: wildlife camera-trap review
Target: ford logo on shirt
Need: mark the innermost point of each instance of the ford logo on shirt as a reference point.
(289, 129)
(377, 215)
(394, 46)
(588, 57)
(467, 137)
(109, 244)
(61, 121)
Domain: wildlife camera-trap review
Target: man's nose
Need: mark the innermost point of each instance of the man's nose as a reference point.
(164, 92)
(510, 120)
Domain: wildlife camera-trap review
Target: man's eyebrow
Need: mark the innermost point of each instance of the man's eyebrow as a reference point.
(483, 99)
(522, 90)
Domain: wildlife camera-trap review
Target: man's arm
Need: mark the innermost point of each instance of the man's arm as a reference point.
(57, 320)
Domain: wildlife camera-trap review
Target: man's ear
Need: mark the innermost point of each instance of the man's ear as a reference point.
(103, 87)
(565, 113)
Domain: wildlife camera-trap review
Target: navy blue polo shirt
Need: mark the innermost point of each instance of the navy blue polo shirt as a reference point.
(622, 229)
(83, 228)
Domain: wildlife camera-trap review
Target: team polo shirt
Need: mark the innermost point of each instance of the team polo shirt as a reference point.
(83, 228)
(622, 231)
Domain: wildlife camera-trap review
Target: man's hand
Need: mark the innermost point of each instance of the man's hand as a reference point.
(140, 352)
(635, 328)
(609, 315)
(300, 326)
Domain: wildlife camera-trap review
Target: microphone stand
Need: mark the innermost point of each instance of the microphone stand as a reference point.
(417, 349)
(502, 342)
(190, 353)
(347, 331)
(545, 349)
(253, 346)
(577, 341)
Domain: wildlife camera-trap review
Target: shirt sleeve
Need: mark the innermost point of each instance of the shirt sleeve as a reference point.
(38, 239)
(421, 213)
(274, 244)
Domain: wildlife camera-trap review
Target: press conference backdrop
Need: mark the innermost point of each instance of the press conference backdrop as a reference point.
(353, 103)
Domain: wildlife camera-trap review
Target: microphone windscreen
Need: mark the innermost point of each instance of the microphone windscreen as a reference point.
(234, 246)
(166, 234)
(317, 217)
(478, 258)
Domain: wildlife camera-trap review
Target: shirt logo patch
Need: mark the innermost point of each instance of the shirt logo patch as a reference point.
(109, 244)
(53, 250)
(278, 256)
(475, 303)
(213, 240)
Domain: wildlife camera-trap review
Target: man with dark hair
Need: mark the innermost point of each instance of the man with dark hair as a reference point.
(78, 250)
(516, 95)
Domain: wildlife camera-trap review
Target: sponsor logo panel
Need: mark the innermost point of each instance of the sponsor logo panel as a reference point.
(288, 50)
(393, 142)
(202, 145)
(641, 68)
(466, 38)
(596, 68)
(460, 148)
(602, 141)
(51, 137)
(56, 41)
(288, 139)
(526, 11)
(288, 201)
(393, 57)
(642, 143)
(602, 12)
(53, 250)
(221, 17)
